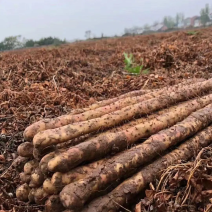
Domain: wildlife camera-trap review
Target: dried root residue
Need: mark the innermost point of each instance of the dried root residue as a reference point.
(182, 187)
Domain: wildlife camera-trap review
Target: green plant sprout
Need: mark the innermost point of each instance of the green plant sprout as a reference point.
(192, 33)
(132, 67)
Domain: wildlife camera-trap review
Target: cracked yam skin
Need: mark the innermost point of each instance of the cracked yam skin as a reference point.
(75, 195)
(59, 135)
(104, 144)
(138, 182)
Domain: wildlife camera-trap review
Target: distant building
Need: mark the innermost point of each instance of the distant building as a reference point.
(180, 24)
(192, 22)
(159, 27)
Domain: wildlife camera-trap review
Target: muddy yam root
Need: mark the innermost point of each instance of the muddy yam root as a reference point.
(22, 192)
(59, 180)
(75, 195)
(25, 178)
(135, 184)
(25, 149)
(59, 135)
(104, 144)
(60, 121)
(99, 109)
(53, 204)
(37, 178)
(30, 166)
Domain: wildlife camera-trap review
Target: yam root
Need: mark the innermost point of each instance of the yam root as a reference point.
(43, 165)
(135, 184)
(59, 180)
(49, 188)
(38, 154)
(115, 99)
(132, 93)
(31, 195)
(19, 163)
(40, 196)
(97, 111)
(76, 194)
(45, 124)
(65, 133)
(25, 178)
(64, 146)
(48, 157)
(25, 149)
(104, 144)
(37, 178)
(30, 166)
(22, 192)
(53, 204)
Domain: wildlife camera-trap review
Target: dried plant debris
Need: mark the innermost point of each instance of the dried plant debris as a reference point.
(182, 187)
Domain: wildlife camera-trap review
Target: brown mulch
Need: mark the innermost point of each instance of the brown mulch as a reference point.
(51, 81)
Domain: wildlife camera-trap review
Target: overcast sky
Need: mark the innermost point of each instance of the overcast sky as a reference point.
(71, 18)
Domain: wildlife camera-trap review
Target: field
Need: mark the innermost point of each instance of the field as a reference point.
(51, 81)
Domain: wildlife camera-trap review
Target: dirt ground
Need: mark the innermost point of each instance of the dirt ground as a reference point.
(51, 81)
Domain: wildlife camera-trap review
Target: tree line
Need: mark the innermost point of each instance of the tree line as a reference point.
(17, 42)
(173, 22)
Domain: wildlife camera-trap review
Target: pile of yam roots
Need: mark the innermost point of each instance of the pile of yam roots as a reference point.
(100, 158)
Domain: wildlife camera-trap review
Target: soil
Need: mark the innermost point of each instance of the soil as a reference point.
(51, 81)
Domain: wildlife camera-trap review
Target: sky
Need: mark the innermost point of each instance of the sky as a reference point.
(34, 19)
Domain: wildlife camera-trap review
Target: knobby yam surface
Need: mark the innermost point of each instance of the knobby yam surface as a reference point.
(30, 166)
(37, 178)
(115, 104)
(104, 144)
(98, 109)
(25, 149)
(65, 133)
(59, 179)
(76, 194)
(135, 184)
(22, 192)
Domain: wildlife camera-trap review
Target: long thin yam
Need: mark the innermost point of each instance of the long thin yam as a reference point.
(43, 165)
(53, 204)
(49, 188)
(30, 166)
(40, 196)
(25, 149)
(102, 145)
(112, 100)
(134, 185)
(31, 195)
(19, 163)
(65, 133)
(133, 93)
(76, 194)
(22, 192)
(37, 178)
(63, 120)
(44, 161)
(39, 154)
(42, 125)
(59, 180)
(25, 178)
